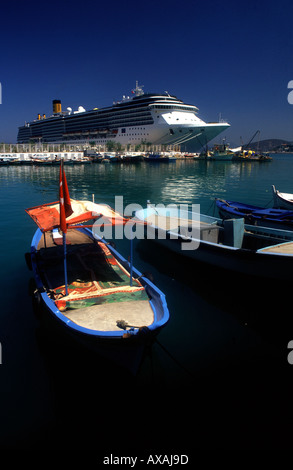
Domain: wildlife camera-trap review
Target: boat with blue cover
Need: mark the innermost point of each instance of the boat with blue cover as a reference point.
(268, 217)
(226, 244)
(87, 288)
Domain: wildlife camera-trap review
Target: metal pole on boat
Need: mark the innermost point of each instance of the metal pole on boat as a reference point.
(131, 259)
(65, 264)
(65, 211)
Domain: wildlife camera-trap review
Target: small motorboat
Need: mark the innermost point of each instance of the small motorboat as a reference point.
(227, 244)
(282, 200)
(86, 286)
(268, 217)
(156, 158)
(251, 156)
(220, 152)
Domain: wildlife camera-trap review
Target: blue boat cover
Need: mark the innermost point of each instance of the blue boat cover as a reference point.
(238, 209)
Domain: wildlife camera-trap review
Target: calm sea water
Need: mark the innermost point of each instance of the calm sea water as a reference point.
(222, 358)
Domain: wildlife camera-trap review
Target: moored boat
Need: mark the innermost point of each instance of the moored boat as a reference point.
(269, 217)
(163, 118)
(282, 200)
(226, 244)
(251, 156)
(157, 158)
(87, 287)
(220, 152)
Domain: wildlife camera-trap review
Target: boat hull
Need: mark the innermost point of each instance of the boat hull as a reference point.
(125, 347)
(238, 260)
(282, 200)
(278, 218)
(159, 119)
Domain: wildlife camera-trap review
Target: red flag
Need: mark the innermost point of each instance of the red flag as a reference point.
(64, 199)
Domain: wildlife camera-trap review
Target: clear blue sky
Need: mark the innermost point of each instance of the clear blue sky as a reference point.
(233, 58)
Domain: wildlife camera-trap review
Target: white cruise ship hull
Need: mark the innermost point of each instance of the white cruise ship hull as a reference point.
(145, 119)
(199, 136)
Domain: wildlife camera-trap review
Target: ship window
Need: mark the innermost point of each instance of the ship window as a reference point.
(123, 131)
(171, 131)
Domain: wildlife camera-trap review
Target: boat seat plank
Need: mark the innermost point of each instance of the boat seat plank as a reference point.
(168, 223)
(171, 223)
(282, 248)
(104, 317)
(73, 237)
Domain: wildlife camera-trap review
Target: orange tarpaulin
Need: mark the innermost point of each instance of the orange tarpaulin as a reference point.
(47, 216)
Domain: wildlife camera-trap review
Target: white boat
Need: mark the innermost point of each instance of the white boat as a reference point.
(282, 200)
(156, 118)
(230, 244)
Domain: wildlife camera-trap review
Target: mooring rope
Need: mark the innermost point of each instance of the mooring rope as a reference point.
(123, 324)
(174, 359)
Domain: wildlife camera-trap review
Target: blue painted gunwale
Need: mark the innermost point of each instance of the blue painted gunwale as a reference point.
(157, 298)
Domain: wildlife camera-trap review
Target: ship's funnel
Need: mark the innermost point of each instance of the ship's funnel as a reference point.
(57, 106)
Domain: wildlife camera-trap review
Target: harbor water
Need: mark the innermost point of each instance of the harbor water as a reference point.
(218, 375)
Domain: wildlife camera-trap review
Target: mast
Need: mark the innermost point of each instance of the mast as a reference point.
(65, 210)
(138, 90)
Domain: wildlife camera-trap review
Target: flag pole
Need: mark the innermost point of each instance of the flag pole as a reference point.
(65, 264)
(131, 259)
(65, 211)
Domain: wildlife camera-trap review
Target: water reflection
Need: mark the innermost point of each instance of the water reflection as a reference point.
(182, 181)
(205, 332)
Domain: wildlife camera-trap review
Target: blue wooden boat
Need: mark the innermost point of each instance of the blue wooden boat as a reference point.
(88, 288)
(268, 217)
(226, 244)
(156, 158)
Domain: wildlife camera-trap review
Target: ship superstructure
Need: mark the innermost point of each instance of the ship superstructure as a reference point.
(144, 118)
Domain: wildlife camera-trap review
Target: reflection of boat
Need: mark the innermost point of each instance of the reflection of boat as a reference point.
(282, 200)
(226, 244)
(87, 287)
(278, 218)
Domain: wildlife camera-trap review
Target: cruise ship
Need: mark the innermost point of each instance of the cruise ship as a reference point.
(143, 118)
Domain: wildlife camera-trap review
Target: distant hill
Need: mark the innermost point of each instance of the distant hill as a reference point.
(271, 145)
(268, 145)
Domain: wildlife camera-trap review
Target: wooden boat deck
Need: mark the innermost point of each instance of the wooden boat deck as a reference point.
(100, 294)
(171, 223)
(73, 237)
(104, 317)
(187, 227)
(282, 248)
